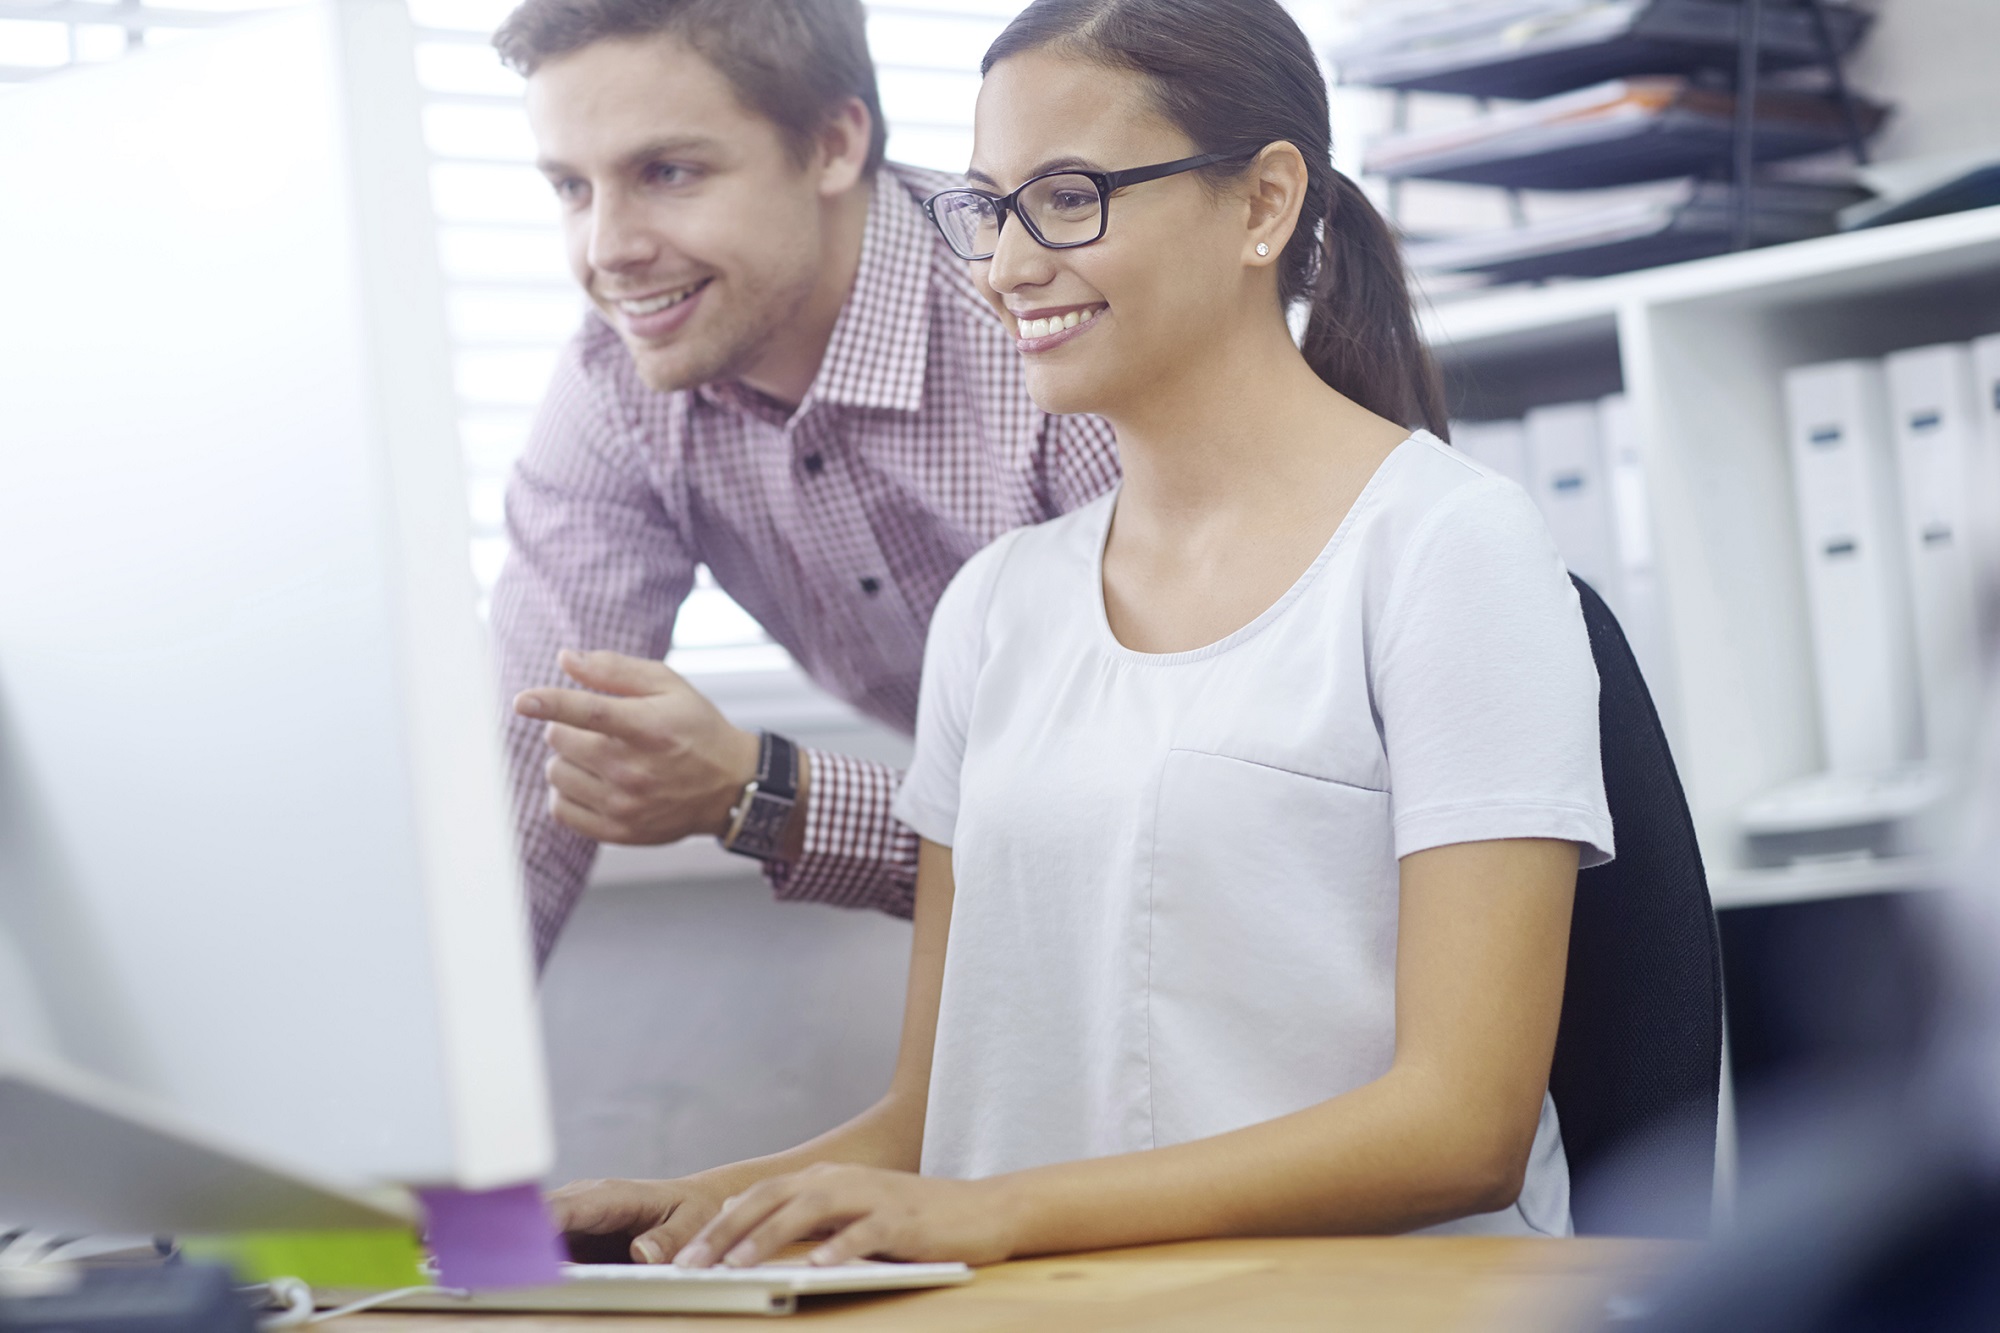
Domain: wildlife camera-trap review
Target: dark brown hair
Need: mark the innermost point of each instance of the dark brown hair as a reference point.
(1236, 76)
(795, 62)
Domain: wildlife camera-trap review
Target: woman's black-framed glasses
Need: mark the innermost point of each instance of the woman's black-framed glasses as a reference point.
(1060, 209)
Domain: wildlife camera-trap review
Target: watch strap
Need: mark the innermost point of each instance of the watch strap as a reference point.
(757, 823)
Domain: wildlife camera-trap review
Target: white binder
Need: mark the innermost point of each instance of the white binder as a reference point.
(1500, 445)
(1641, 610)
(1986, 483)
(1938, 439)
(1844, 481)
(1986, 384)
(1566, 464)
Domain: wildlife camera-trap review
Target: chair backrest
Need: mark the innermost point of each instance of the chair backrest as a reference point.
(1638, 1056)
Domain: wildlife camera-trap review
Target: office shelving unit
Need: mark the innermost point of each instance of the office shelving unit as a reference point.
(1579, 141)
(1622, 92)
(1519, 51)
(1700, 349)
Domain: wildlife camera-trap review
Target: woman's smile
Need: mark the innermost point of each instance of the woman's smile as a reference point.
(1052, 326)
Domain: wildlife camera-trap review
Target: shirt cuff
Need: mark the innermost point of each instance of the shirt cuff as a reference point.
(857, 854)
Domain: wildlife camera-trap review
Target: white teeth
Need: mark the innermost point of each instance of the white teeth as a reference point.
(652, 305)
(1042, 328)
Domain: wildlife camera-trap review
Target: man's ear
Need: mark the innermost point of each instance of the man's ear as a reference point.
(841, 148)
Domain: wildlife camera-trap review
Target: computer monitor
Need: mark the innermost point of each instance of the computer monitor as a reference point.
(262, 943)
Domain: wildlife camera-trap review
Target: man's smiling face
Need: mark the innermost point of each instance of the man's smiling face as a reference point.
(687, 216)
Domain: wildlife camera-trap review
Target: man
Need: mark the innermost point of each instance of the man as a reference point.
(786, 376)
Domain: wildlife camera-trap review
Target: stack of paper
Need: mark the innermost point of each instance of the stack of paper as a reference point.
(1616, 133)
(1530, 48)
(1680, 220)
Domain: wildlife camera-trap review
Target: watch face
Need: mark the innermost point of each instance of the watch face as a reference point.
(757, 824)
(763, 826)
(759, 831)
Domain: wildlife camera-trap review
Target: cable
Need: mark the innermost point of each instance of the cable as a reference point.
(297, 1300)
(294, 1298)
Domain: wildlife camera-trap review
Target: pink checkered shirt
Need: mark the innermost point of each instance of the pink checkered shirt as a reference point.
(837, 525)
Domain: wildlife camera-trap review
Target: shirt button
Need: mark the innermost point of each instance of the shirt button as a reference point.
(871, 585)
(815, 464)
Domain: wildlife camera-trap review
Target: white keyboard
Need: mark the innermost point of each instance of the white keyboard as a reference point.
(770, 1289)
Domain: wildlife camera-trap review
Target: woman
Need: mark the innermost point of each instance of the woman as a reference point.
(1253, 795)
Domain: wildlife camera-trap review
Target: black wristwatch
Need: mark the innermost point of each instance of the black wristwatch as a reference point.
(757, 820)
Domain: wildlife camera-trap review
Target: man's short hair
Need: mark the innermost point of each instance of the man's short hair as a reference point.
(795, 62)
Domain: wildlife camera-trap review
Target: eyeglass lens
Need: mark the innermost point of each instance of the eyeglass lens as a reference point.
(1063, 209)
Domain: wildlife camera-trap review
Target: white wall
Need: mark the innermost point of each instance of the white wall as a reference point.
(1935, 60)
(700, 1022)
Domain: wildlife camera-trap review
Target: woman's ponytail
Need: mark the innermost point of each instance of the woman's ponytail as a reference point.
(1236, 76)
(1361, 331)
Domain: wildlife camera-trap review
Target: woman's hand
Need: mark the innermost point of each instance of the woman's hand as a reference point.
(648, 1219)
(860, 1211)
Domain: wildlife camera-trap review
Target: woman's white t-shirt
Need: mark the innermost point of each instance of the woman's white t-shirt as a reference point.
(1177, 872)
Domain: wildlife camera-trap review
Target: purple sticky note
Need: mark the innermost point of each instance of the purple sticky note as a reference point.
(492, 1238)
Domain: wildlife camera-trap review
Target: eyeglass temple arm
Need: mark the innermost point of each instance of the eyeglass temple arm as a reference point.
(1140, 175)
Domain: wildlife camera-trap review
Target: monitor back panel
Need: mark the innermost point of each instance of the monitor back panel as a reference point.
(254, 859)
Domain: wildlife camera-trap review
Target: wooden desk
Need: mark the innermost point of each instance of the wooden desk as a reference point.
(1406, 1284)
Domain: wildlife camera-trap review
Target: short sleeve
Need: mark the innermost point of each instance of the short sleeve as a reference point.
(953, 652)
(1485, 685)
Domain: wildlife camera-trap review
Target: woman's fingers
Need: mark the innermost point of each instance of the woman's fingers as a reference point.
(593, 1207)
(735, 1220)
(853, 1212)
(861, 1238)
(806, 1212)
(666, 1240)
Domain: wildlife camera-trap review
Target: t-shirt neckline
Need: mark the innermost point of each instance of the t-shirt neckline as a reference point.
(1256, 624)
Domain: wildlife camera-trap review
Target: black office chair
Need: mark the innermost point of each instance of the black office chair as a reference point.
(1638, 1057)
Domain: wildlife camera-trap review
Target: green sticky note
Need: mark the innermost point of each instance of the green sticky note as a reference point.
(368, 1259)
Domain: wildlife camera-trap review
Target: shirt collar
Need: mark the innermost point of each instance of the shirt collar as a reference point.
(881, 341)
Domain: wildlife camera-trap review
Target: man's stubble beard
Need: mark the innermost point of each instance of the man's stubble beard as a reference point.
(727, 357)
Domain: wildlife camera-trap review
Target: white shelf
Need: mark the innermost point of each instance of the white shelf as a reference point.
(1813, 881)
(1700, 349)
(1886, 258)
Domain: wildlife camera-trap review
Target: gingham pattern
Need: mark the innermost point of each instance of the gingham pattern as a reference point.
(837, 527)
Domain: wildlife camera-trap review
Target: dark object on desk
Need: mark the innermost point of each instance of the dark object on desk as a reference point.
(584, 1248)
(1977, 188)
(1638, 1060)
(174, 1298)
(1884, 1219)
(1494, 50)
(1620, 133)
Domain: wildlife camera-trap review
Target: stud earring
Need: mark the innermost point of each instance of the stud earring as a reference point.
(1262, 249)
